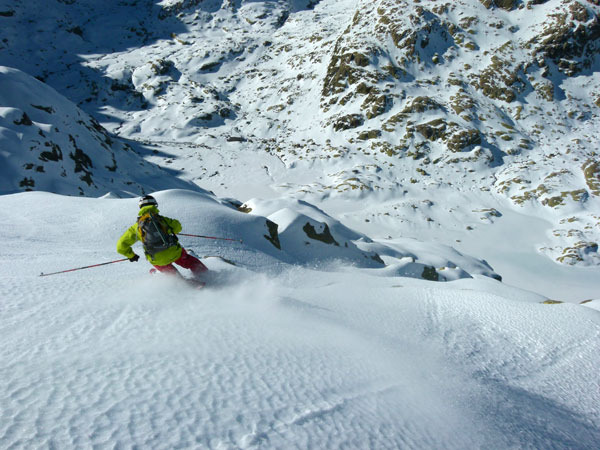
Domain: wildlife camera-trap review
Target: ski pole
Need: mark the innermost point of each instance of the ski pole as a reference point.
(211, 237)
(85, 267)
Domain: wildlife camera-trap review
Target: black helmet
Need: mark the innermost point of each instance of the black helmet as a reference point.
(147, 200)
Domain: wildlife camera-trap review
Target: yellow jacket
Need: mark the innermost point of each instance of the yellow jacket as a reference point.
(132, 235)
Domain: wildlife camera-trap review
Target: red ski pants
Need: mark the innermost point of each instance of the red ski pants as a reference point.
(186, 261)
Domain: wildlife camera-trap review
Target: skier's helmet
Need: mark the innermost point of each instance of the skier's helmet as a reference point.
(147, 200)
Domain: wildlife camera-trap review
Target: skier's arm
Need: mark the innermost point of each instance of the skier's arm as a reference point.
(125, 242)
(174, 224)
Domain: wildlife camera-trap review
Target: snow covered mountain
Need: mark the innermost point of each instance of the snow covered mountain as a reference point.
(416, 185)
(49, 144)
(351, 97)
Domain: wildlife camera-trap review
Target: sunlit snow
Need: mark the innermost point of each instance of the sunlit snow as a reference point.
(366, 297)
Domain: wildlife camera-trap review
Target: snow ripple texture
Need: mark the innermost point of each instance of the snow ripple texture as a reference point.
(207, 372)
(156, 365)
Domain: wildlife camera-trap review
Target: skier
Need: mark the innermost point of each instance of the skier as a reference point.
(158, 235)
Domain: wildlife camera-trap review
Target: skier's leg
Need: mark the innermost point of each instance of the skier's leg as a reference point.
(168, 269)
(188, 261)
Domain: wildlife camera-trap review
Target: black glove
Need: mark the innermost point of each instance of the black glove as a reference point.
(134, 258)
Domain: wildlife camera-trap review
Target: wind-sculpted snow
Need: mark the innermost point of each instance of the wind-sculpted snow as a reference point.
(250, 367)
(271, 354)
(310, 235)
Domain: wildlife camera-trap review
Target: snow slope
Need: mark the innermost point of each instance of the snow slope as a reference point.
(48, 144)
(275, 354)
(373, 146)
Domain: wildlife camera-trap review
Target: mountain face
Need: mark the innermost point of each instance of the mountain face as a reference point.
(402, 105)
(49, 144)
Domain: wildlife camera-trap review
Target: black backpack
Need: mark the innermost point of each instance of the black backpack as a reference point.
(155, 233)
